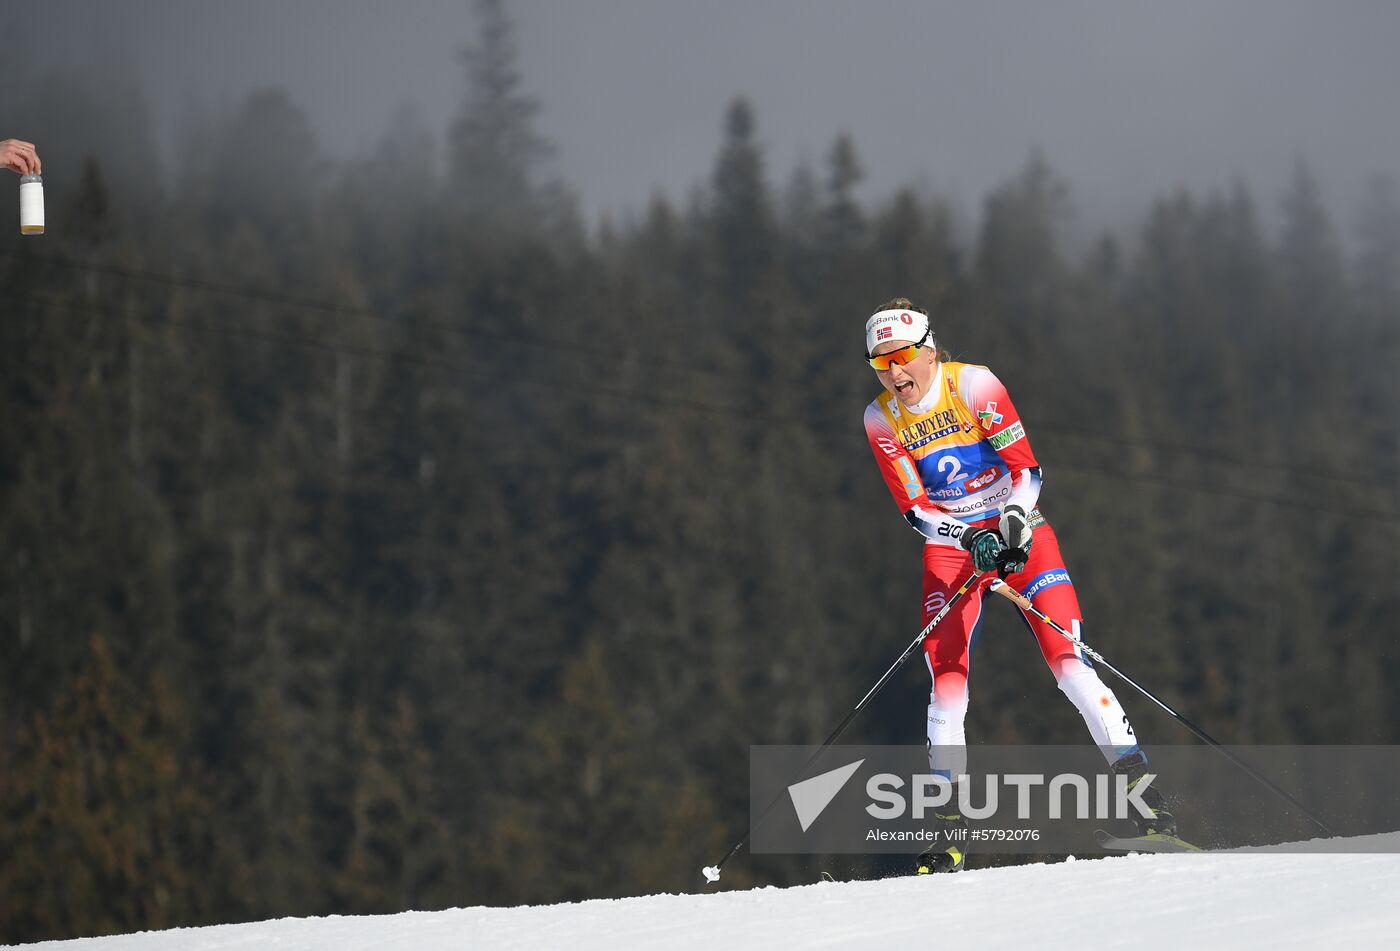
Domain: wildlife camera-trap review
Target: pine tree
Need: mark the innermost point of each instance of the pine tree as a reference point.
(845, 223)
(494, 150)
(1378, 262)
(1018, 265)
(742, 217)
(106, 824)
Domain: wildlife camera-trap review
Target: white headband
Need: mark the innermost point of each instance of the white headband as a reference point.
(895, 325)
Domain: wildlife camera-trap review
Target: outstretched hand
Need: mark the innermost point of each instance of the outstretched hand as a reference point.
(20, 156)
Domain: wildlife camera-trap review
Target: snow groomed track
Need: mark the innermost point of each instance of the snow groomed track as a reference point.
(1245, 899)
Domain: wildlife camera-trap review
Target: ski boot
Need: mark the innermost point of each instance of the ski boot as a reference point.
(1161, 822)
(948, 853)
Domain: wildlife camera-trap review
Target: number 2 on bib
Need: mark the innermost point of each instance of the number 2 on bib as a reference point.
(953, 467)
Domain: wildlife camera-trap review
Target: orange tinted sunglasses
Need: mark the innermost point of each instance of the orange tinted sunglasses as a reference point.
(895, 357)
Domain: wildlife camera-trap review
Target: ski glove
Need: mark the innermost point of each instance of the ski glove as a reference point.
(1016, 532)
(985, 547)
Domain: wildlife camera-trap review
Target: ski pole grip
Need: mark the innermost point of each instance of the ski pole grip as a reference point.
(1011, 594)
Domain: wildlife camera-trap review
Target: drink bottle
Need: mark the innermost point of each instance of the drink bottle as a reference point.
(31, 204)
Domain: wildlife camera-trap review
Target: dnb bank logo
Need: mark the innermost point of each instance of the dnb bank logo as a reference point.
(1048, 579)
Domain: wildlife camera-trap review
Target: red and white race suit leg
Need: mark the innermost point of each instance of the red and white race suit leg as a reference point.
(1047, 583)
(948, 649)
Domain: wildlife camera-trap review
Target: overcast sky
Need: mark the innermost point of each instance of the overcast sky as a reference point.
(1127, 99)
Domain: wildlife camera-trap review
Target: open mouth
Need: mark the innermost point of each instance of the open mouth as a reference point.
(904, 389)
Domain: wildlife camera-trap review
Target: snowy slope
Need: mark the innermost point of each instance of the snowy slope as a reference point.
(1221, 900)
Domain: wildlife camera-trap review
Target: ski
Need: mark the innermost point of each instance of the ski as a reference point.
(1155, 842)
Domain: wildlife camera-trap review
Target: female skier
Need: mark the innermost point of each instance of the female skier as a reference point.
(957, 460)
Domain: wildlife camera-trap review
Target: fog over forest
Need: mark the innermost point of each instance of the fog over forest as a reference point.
(1127, 100)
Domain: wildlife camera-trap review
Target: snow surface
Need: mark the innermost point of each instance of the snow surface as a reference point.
(1248, 899)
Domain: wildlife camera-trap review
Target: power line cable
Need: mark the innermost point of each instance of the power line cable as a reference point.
(1210, 453)
(1309, 506)
(1115, 439)
(416, 358)
(326, 307)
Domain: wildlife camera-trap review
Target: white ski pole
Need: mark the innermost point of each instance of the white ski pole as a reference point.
(1024, 603)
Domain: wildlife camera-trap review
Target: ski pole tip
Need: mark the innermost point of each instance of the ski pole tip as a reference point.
(711, 873)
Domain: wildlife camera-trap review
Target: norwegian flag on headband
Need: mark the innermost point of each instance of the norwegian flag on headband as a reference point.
(884, 333)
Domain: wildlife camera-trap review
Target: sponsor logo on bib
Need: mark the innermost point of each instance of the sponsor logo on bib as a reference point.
(983, 480)
(1012, 434)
